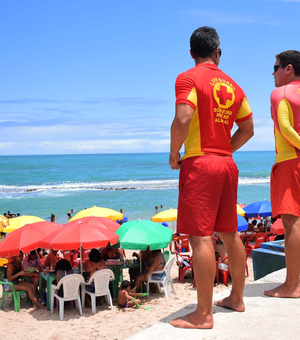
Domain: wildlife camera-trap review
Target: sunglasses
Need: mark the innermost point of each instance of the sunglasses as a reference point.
(220, 52)
(276, 67)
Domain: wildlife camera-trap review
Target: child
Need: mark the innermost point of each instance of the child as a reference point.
(126, 300)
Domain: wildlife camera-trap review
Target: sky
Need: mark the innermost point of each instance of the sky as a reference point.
(93, 76)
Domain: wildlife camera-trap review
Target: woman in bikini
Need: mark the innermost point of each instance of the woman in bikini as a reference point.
(109, 253)
(13, 274)
(94, 264)
(157, 262)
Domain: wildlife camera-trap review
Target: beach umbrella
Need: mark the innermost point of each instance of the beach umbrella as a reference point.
(79, 235)
(102, 222)
(166, 216)
(18, 222)
(256, 209)
(100, 212)
(123, 220)
(240, 210)
(26, 238)
(242, 205)
(242, 223)
(277, 227)
(3, 222)
(140, 235)
(3, 219)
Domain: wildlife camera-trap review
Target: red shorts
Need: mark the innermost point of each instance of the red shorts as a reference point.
(207, 195)
(285, 188)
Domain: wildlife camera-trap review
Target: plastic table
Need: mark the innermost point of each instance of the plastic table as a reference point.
(117, 269)
(49, 277)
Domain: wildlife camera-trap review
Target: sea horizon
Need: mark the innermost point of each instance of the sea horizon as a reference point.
(115, 153)
(135, 182)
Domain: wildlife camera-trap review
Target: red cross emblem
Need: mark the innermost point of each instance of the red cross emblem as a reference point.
(223, 95)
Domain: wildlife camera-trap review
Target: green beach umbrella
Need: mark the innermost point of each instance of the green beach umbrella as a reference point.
(139, 235)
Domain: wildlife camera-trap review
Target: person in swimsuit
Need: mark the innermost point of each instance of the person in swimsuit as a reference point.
(126, 300)
(32, 260)
(94, 264)
(134, 272)
(112, 254)
(157, 262)
(62, 268)
(13, 274)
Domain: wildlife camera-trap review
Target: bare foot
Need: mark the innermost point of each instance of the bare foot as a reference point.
(38, 306)
(231, 304)
(194, 320)
(283, 291)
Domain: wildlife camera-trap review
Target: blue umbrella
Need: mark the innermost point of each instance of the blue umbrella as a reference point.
(261, 208)
(242, 223)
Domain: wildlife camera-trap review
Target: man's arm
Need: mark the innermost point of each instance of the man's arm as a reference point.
(179, 131)
(285, 114)
(244, 132)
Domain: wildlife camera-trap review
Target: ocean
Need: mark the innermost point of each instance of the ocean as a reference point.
(136, 183)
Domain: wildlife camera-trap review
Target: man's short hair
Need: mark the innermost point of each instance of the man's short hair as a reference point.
(290, 57)
(204, 41)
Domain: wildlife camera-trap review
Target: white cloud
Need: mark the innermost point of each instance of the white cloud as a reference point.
(6, 145)
(88, 146)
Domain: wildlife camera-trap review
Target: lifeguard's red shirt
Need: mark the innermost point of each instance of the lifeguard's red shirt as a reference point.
(285, 110)
(217, 102)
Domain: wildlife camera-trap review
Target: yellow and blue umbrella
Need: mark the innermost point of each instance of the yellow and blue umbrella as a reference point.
(99, 212)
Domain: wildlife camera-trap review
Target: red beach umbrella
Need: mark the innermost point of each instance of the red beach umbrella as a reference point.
(79, 235)
(27, 238)
(102, 222)
(277, 227)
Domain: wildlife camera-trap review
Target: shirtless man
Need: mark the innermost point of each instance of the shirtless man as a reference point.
(51, 259)
(285, 189)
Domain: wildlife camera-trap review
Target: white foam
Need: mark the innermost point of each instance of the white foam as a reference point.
(254, 181)
(59, 188)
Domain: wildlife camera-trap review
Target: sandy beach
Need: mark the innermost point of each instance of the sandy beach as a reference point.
(105, 324)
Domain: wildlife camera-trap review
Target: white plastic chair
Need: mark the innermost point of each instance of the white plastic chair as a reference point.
(164, 280)
(101, 280)
(71, 284)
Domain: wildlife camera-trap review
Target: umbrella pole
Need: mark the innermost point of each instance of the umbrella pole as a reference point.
(80, 259)
(40, 263)
(141, 269)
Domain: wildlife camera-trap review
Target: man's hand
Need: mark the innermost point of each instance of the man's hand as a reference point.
(174, 161)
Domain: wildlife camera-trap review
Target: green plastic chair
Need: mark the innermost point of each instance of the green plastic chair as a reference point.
(16, 295)
(167, 255)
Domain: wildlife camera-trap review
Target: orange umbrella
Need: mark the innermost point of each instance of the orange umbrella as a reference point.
(277, 227)
(79, 235)
(26, 238)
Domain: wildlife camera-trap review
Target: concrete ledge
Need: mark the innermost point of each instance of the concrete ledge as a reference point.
(264, 318)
